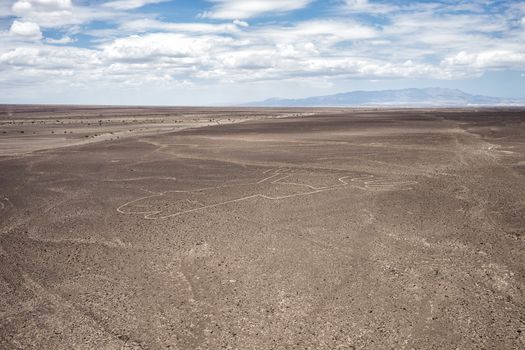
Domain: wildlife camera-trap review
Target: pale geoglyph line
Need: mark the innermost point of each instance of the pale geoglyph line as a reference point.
(268, 178)
(267, 171)
(3, 201)
(369, 181)
(142, 178)
(148, 191)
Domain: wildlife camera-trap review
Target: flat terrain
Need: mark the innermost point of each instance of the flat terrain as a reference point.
(24, 129)
(261, 229)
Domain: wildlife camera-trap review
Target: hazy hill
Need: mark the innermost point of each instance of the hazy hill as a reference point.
(438, 97)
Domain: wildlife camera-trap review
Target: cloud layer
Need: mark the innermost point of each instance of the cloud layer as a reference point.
(353, 39)
(242, 9)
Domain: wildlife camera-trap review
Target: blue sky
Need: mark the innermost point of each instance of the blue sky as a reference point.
(207, 52)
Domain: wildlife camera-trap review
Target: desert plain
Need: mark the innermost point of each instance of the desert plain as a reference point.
(245, 228)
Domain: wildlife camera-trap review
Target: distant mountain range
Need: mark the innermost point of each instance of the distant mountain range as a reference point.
(429, 97)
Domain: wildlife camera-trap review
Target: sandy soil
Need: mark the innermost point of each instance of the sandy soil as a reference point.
(24, 129)
(295, 229)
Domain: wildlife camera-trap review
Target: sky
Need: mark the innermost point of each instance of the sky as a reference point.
(219, 52)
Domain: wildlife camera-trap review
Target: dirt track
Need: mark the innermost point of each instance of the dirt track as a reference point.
(340, 230)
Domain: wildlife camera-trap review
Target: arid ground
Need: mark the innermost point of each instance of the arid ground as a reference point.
(155, 228)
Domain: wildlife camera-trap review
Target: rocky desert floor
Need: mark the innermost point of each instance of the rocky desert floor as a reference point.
(181, 228)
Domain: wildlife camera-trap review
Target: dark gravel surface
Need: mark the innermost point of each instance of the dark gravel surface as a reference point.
(399, 229)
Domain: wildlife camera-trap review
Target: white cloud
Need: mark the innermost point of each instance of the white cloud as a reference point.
(328, 31)
(27, 30)
(62, 13)
(366, 6)
(245, 24)
(45, 61)
(146, 25)
(241, 9)
(42, 11)
(62, 41)
(48, 5)
(130, 4)
(21, 7)
(487, 59)
(162, 47)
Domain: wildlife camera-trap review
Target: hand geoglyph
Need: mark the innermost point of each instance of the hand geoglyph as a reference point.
(275, 184)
